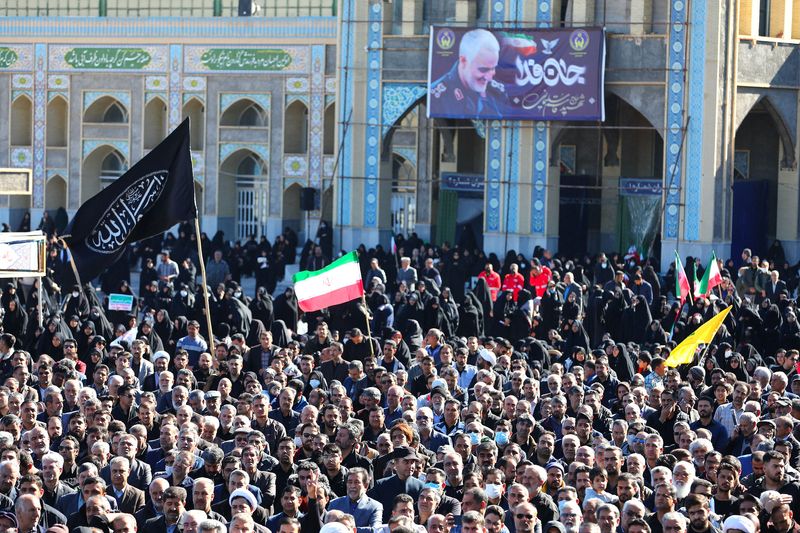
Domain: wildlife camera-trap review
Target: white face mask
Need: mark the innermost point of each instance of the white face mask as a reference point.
(314, 383)
(168, 470)
(237, 294)
(298, 442)
(184, 294)
(75, 294)
(493, 490)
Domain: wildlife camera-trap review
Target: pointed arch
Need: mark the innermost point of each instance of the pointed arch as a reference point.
(102, 166)
(783, 131)
(329, 130)
(21, 123)
(295, 128)
(57, 122)
(245, 113)
(55, 193)
(195, 111)
(292, 214)
(242, 194)
(155, 122)
(106, 110)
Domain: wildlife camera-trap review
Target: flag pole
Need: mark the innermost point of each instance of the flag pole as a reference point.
(369, 332)
(72, 263)
(205, 285)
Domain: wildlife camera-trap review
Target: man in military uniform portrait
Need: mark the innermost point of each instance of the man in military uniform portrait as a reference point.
(469, 88)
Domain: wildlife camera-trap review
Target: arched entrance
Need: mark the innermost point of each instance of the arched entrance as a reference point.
(242, 195)
(594, 162)
(762, 147)
(55, 194)
(101, 167)
(292, 214)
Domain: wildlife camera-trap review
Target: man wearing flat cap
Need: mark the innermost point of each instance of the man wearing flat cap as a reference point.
(403, 481)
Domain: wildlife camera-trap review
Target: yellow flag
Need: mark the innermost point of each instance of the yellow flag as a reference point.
(684, 352)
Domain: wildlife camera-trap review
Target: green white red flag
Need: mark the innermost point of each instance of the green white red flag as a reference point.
(682, 288)
(335, 284)
(711, 278)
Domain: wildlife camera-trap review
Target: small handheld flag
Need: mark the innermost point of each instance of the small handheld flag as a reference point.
(335, 284)
(682, 289)
(683, 353)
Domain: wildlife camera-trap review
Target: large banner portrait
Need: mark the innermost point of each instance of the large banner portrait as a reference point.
(516, 74)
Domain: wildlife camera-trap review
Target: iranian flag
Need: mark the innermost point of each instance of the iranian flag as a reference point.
(681, 281)
(711, 278)
(335, 284)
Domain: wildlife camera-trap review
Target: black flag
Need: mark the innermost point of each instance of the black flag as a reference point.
(150, 198)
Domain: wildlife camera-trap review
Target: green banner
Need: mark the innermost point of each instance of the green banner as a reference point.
(108, 58)
(7, 57)
(246, 59)
(120, 302)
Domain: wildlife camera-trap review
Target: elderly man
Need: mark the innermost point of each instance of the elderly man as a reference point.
(140, 472)
(28, 510)
(54, 488)
(570, 516)
(366, 511)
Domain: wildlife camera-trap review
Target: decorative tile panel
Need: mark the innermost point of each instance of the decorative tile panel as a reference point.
(372, 151)
(21, 157)
(156, 83)
(39, 127)
(22, 81)
(175, 84)
(262, 150)
(294, 165)
(694, 144)
(91, 145)
(297, 85)
(90, 97)
(316, 115)
(673, 168)
(104, 58)
(194, 84)
(58, 82)
(247, 59)
(228, 99)
(16, 58)
(397, 98)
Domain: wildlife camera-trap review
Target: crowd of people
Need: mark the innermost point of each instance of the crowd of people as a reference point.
(462, 394)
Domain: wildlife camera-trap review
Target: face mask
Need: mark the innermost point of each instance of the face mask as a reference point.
(501, 438)
(493, 490)
(298, 442)
(314, 383)
(75, 294)
(184, 294)
(630, 439)
(474, 439)
(728, 354)
(603, 265)
(237, 294)
(432, 485)
(168, 470)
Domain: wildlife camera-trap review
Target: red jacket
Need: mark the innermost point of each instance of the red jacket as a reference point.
(514, 282)
(493, 281)
(539, 283)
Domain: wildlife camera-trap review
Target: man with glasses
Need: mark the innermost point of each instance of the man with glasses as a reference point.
(525, 519)
(336, 473)
(428, 436)
(632, 510)
(570, 516)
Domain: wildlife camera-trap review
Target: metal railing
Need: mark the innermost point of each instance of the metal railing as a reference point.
(164, 8)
